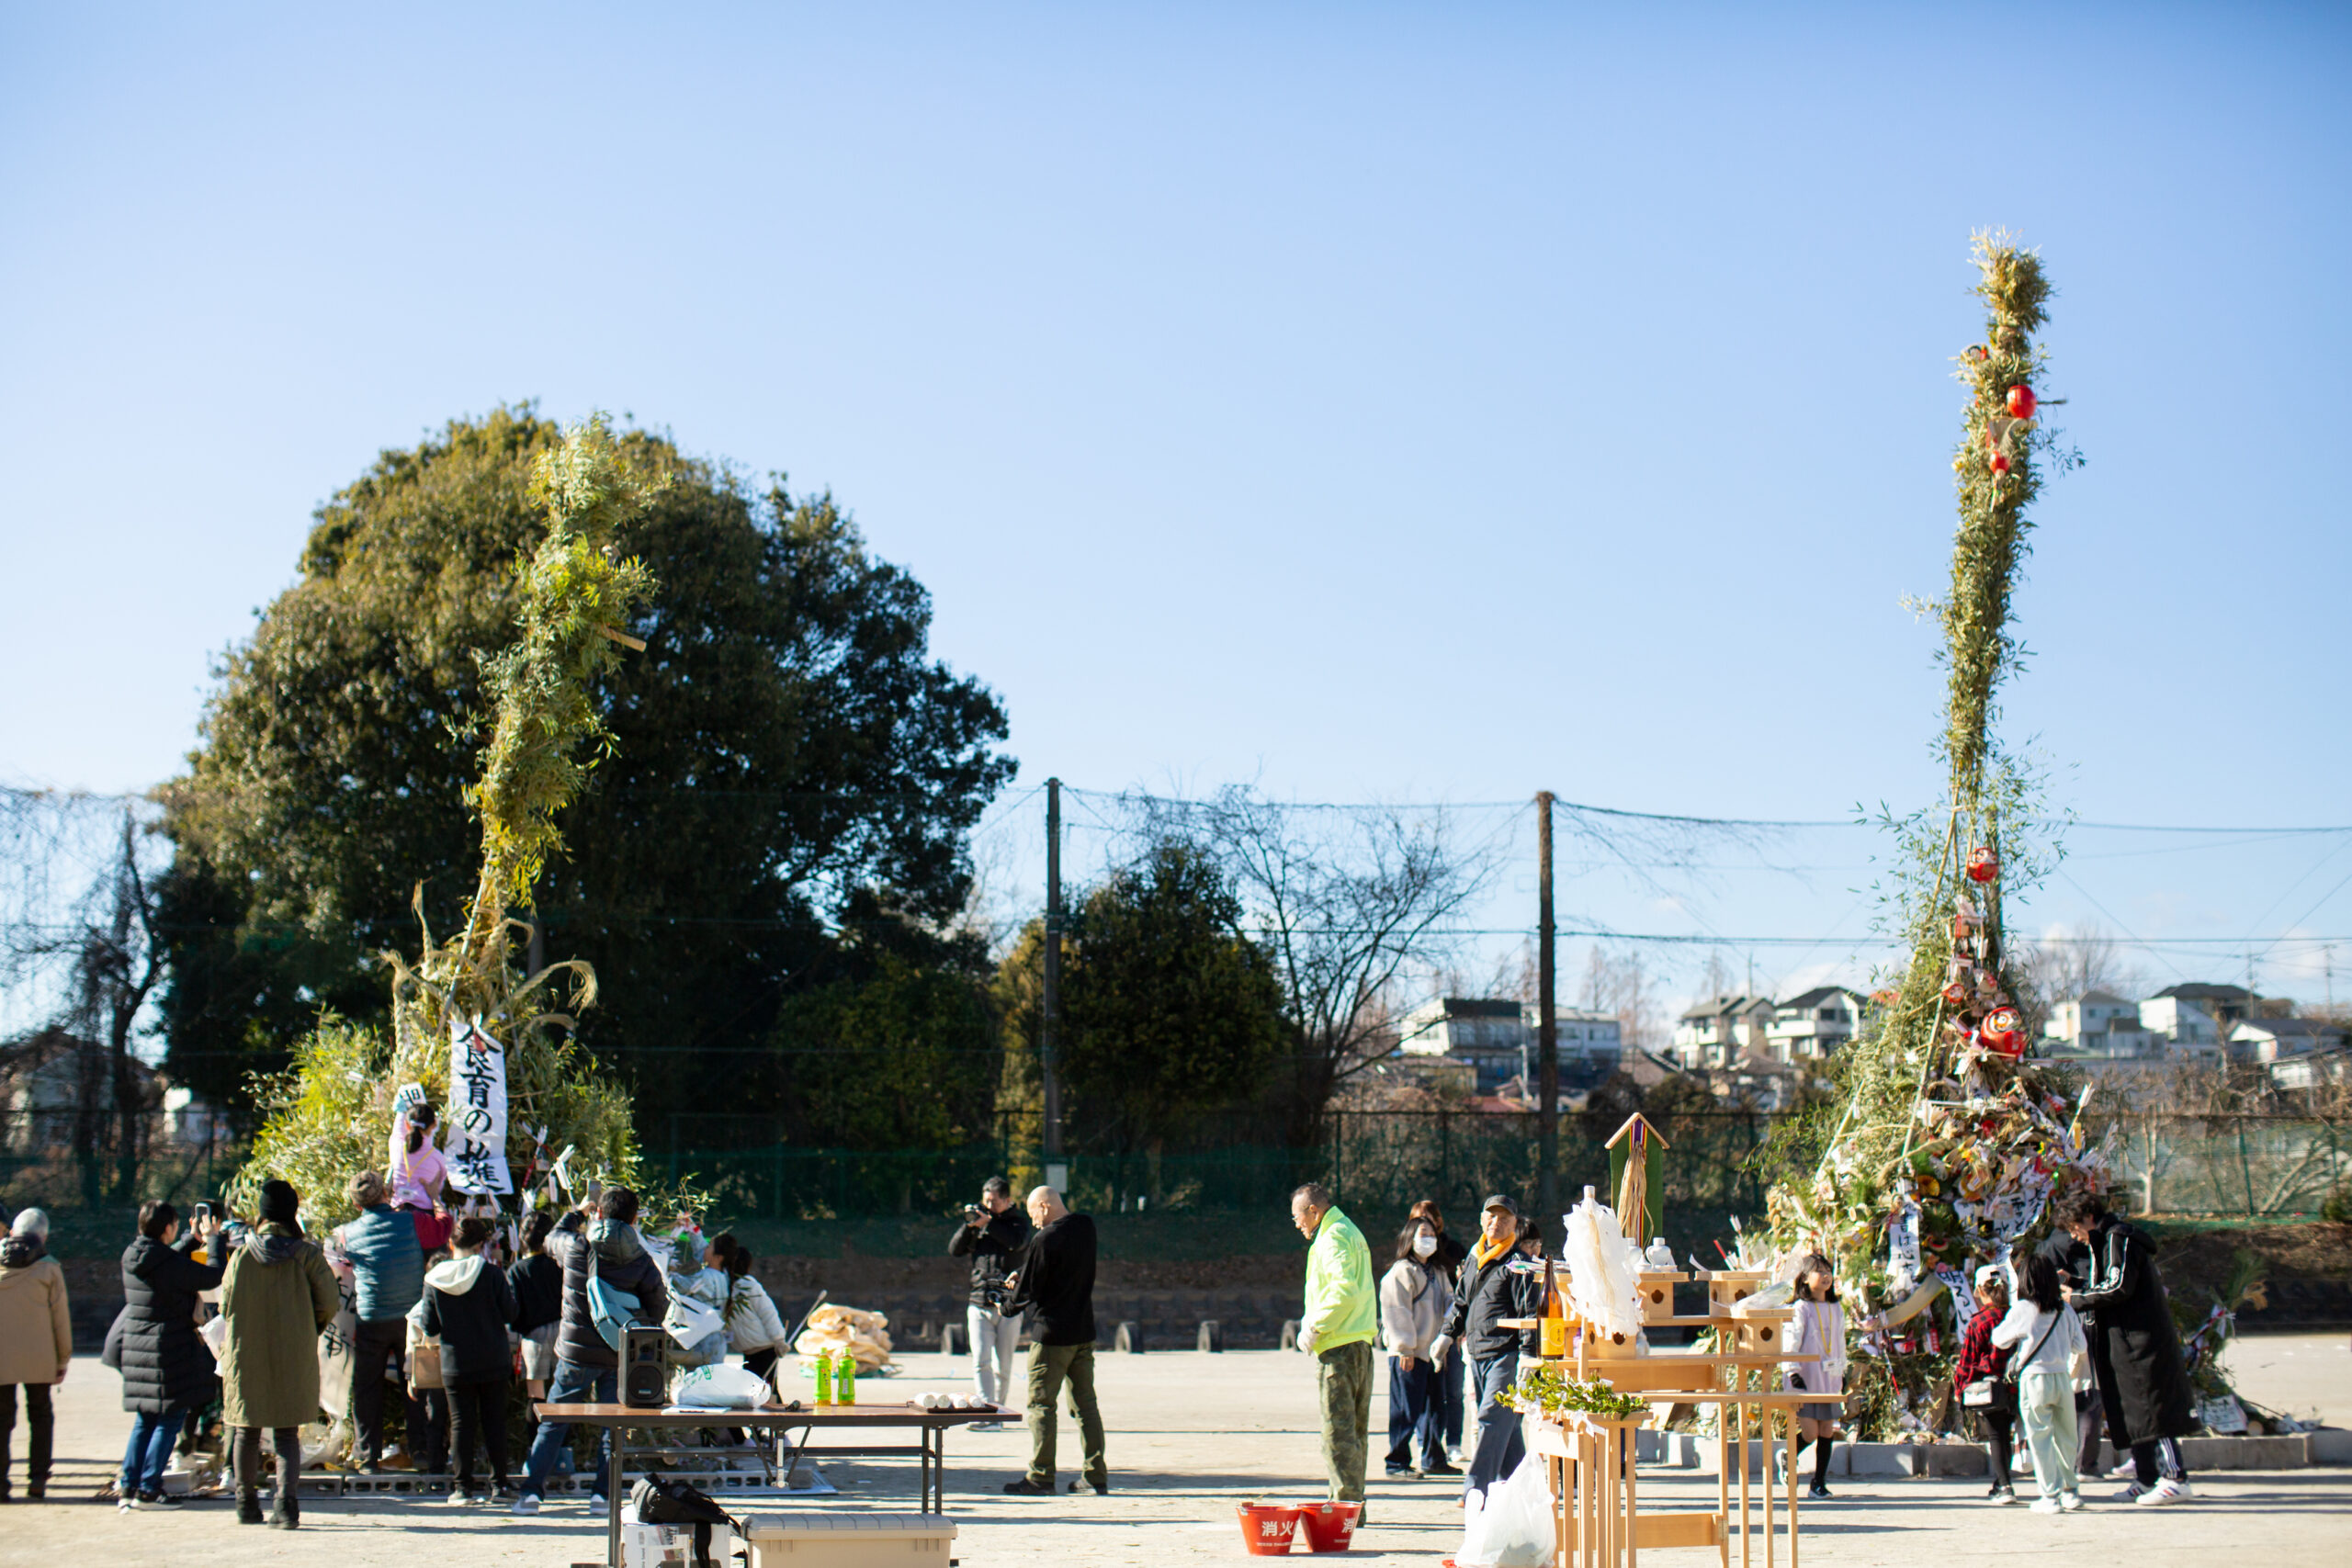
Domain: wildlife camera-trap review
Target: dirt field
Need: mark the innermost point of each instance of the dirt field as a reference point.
(1190, 1435)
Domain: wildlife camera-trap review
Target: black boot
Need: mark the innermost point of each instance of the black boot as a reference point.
(249, 1508)
(287, 1515)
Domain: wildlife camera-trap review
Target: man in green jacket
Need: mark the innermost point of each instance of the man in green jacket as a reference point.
(1342, 1316)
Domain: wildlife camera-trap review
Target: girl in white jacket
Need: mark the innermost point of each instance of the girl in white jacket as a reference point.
(753, 1330)
(2050, 1336)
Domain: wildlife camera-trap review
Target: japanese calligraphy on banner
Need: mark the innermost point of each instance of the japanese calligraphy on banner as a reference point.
(478, 1109)
(1964, 1300)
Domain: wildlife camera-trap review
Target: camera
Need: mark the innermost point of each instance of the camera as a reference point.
(977, 1214)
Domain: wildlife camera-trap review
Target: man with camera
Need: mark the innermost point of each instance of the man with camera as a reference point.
(993, 1231)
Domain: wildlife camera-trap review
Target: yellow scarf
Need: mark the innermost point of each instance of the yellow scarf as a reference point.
(1486, 1251)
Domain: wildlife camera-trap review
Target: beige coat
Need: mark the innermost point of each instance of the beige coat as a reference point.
(36, 1331)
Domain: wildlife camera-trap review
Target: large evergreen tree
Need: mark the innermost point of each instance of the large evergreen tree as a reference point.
(784, 742)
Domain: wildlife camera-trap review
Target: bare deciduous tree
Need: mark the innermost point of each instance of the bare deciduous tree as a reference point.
(104, 941)
(1349, 905)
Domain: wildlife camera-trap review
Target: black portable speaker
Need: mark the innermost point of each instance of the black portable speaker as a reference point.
(645, 1367)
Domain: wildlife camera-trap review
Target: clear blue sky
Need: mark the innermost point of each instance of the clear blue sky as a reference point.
(1427, 402)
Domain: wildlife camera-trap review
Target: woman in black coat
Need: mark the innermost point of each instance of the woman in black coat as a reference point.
(165, 1368)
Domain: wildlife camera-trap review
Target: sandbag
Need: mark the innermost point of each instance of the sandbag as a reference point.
(834, 1329)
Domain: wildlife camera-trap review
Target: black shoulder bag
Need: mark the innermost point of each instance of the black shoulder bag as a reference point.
(666, 1500)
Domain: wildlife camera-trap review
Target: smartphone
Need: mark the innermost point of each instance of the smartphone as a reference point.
(203, 1212)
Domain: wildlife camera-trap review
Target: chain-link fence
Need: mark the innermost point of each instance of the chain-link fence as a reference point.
(2232, 1166)
(1378, 1162)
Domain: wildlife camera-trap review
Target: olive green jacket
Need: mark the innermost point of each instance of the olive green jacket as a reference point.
(277, 1294)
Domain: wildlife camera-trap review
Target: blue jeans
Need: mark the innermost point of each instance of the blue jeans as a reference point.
(573, 1384)
(1448, 1398)
(1412, 1413)
(1500, 1444)
(149, 1450)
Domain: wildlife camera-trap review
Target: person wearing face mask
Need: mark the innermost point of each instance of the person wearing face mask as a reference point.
(1414, 1299)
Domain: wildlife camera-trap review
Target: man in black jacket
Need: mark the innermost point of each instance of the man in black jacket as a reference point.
(1492, 1292)
(587, 1369)
(2135, 1350)
(1054, 1280)
(993, 1231)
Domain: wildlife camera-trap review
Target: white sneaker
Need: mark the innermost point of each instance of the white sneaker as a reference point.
(2165, 1491)
(598, 1506)
(456, 1499)
(525, 1503)
(126, 1503)
(2071, 1502)
(2124, 1472)
(2048, 1506)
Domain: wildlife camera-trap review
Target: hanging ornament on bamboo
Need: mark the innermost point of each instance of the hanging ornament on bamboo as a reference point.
(2002, 1033)
(1984, 866)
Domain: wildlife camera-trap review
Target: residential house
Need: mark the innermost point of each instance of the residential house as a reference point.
(2224, 1005)
(2188, 1028)
(2292, 1048)
(1719, 1031)
(1813, 1025)
(1500, 1040)
(2100, 1028)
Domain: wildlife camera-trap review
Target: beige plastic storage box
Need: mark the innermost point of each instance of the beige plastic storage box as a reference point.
(848, 1541)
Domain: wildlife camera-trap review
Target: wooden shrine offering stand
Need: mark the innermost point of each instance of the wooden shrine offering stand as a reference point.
(1590, 1460)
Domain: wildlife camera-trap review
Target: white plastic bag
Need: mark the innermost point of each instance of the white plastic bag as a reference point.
(720, 1388)
(690, 1323)
(1514, 1527)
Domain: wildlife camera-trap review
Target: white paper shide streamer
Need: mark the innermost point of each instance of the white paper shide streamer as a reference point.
(1600, 1279)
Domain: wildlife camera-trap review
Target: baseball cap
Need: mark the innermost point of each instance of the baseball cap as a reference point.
(1990, 1272)
(1499, 1201)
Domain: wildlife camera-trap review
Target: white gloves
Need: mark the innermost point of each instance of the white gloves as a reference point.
(1307, 1340)
(1438, 1348)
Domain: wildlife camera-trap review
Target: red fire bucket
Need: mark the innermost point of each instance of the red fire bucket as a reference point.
(1267, 1528)
(1330, 1525)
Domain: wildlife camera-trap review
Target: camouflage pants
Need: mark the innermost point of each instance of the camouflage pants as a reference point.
(1343, 1379)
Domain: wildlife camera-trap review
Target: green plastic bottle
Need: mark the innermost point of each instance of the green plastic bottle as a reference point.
(824, 1377)
(846, 1383)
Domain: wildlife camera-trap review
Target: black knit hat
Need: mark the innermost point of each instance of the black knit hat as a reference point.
(279, 1202)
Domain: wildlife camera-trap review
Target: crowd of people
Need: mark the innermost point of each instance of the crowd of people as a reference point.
(2074, 1342)
(2067, 1344)
(223, 1318)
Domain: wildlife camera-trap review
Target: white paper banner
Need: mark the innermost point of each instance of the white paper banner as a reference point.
(1963, 1301)
(477, 1111)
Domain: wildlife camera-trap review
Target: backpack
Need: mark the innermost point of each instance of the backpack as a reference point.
(665, 1500)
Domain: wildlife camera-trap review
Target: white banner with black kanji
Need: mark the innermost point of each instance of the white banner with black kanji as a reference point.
(477, 1116)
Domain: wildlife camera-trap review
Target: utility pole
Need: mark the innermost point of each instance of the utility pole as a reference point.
(1547, 1027)
(1049, 1028)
